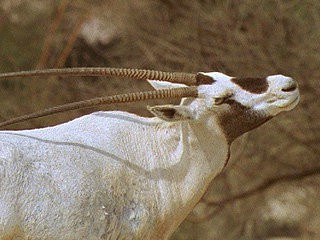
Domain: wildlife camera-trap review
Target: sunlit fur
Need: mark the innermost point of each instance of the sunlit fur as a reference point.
(271, 102)
(116, 175)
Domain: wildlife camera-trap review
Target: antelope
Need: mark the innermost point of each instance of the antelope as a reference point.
(117, 175)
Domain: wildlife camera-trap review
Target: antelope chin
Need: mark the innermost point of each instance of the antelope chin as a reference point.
(292, 104)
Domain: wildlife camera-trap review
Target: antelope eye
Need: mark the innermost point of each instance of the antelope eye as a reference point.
(221, 100)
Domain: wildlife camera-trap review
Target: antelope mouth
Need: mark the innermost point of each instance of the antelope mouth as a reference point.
(292, 103)
(295, 101)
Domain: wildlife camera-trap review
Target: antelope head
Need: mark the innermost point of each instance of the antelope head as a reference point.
(238, 104)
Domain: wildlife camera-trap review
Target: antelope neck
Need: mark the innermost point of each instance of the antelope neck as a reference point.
(237, 119)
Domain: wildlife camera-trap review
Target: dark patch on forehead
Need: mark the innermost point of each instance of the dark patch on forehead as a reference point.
(253, 85)
(204, 79)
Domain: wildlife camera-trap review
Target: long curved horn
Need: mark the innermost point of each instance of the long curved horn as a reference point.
(121, 98)
(139, 74)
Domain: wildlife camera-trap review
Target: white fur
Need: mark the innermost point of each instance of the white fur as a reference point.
(144, 174)
(271, 102)
(115, 175)
(164, 85)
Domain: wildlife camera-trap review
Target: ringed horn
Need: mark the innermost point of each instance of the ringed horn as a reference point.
(139, 74)
(121, 98)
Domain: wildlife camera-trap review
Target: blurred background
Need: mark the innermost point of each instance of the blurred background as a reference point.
(270, 189)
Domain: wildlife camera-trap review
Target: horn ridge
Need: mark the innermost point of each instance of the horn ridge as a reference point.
(120, 98)
(139, 74)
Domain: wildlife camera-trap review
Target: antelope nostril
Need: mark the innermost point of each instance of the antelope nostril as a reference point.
(290, 88)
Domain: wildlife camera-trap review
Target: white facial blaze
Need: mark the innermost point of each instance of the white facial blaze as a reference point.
(281, 94)
(277, 98)
(222, 87)
(278, 85)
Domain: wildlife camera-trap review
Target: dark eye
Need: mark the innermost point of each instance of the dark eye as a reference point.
(219, 101)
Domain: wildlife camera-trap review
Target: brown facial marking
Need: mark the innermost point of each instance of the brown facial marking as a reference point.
(204, 79)
(253, 85)
(238, 119)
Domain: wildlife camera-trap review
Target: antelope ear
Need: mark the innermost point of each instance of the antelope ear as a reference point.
(164, 85)
(171, 113)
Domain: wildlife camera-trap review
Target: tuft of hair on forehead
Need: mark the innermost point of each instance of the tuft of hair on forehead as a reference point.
(252, 85)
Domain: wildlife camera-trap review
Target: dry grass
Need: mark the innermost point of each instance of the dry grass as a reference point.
(277, 172)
